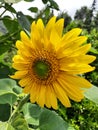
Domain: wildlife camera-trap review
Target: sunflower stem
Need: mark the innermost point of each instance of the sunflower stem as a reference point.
(19, 107)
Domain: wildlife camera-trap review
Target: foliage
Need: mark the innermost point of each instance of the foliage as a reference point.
(67, 18)
(85, 15)
(92, 38)
(84, 116)
(15, 114)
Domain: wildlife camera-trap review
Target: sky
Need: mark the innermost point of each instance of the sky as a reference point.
(69, 6)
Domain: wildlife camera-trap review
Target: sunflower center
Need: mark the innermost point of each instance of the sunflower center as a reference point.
(42, 68)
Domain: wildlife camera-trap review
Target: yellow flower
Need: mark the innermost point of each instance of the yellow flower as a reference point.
(48, 62)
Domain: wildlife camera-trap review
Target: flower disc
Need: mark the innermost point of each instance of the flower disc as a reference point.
(42, 69)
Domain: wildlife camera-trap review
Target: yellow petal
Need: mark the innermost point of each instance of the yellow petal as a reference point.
(74, 68)
(20, 46)
(73, 92)
(37, 34)
(48, 97)
(86, 58)
(25, 50)
(54, 39)
(53, 98)
(40, 26)
(27, 89)
(61, 95)
(50, 26)
(59, 26)
(74, 43)
(19, 74)
(82, 59)
(25, 39)
(41, 96)
(76, 80)
(72, 34)
(69, 46)
(82, 50)
(21, 65)
(26, 81)
(33, 25)
(17, 58)
(33, 92)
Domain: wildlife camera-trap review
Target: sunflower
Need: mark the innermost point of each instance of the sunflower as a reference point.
(48, 63)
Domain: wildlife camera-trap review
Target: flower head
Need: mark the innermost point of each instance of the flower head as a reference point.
(48, 63)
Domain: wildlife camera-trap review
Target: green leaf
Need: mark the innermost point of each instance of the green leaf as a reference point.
(32, 113)
(33, 9)
(44, 119)
(4, 71)
(11, 25)
(10, 8)
(45, 1)
(6, 126)
(8, 91)
(50, 120)
(23, 21)
(7, 97)
(54, 5)
(19, 123)
(10, 85)
(92, 94)
(4, 47)
(5, 110)
(47, 11)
